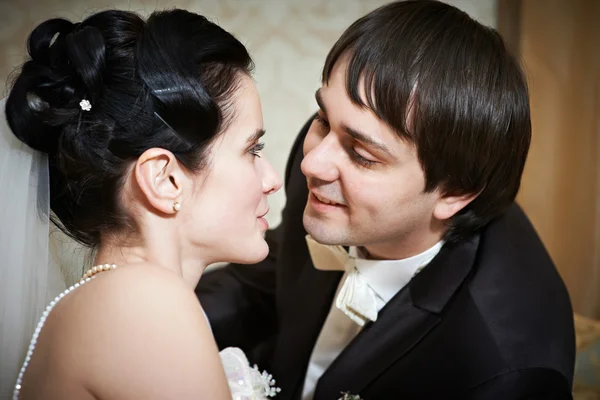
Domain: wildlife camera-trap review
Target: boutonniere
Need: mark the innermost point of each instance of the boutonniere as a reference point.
(348, 396)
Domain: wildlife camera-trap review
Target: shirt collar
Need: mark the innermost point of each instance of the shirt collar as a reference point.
(387, 277)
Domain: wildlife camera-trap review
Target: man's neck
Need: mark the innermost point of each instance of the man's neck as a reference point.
(400, 249)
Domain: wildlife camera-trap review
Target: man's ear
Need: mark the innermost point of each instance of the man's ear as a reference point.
(160, 179)
(448, 205)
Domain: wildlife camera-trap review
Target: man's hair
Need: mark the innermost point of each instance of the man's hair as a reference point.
(448, 85)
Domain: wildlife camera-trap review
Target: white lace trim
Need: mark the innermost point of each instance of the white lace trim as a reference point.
(245, 382)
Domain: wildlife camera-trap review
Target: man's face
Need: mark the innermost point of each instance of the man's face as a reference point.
(366, 183)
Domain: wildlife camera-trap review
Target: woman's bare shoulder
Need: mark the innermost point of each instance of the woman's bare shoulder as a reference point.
(141, 330)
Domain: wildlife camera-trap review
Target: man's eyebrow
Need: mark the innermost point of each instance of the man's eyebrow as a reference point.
(256, 136)
(353, 132)
(361, 137)
(319, 99)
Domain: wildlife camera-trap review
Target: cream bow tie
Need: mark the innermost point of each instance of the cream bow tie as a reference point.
(355, 299)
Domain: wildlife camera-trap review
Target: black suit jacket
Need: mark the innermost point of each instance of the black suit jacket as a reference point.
(489, 318)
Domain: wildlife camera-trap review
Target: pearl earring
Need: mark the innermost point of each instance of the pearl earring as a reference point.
(176, 206)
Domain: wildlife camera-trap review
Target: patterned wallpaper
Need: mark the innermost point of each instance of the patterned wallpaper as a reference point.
(288, 40)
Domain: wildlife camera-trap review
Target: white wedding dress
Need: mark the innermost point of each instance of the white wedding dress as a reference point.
(245, 382)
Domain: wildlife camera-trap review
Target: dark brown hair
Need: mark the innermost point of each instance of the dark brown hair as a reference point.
(466, 96)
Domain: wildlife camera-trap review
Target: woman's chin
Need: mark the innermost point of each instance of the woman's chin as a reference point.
(254, 252)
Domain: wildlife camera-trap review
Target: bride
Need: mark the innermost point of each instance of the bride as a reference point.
(152, 133)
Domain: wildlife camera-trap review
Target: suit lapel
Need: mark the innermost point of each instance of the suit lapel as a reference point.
(305, 313)
(401, 324)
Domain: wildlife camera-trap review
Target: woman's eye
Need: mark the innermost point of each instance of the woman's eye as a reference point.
(256, 149)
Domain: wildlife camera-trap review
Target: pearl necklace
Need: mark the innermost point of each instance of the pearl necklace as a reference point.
(96, 270)
(87, 276)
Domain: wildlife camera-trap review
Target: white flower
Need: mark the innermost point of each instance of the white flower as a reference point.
(85, 105)
(264, 383)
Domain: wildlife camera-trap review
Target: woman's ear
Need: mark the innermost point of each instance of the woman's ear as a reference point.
(160, 179)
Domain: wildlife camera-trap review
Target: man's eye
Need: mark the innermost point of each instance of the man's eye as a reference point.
(360, 159)
(322, 121)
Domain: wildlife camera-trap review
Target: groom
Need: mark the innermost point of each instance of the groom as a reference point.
(412, 163)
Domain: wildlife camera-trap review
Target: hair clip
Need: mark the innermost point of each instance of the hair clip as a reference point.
(85, 105)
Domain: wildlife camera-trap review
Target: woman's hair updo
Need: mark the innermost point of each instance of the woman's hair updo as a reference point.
(165, 82)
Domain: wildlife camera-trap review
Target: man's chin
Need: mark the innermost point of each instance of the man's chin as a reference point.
(324, 232)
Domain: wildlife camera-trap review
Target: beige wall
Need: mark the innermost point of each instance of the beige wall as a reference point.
(561, 183)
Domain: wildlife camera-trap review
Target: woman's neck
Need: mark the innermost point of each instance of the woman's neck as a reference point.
(161, 254)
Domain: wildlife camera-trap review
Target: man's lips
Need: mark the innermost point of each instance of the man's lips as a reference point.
(325, 200)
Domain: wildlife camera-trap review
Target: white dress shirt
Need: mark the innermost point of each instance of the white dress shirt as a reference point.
(386, 278)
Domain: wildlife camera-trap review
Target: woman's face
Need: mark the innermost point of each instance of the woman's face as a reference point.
(229, 201)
